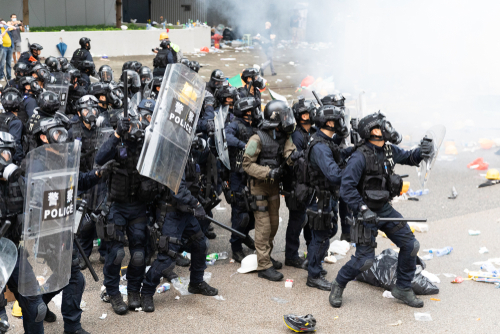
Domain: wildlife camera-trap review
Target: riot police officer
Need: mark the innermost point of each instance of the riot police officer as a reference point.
(146, 108)
(20, 70)
(65, 64)
(194, 65)
(87, 68)
(265, 156)
(30, 90)
(297, 219)
(53, 64)
(216, 81)
(30, 58)
(179, 217)
(369, 183)
(325, 161)
(166, 55)
(128, 193)
(253, 84)
(10, 122)
(227, 96)
(76, 90)
(82, 54)
(146, 75)
(105, 74)
(238, 132)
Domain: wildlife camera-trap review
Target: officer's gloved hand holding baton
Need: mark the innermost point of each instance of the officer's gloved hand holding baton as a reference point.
(107, 168)
(199, 212)
(368, 215)
(275, 173)
(123, 126)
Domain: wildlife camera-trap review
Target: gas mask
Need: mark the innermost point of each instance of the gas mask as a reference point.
(89, 116)
(135, 134)
(57, 135)
(258, 83)
(287, 121)
(389, 134)
(8, 170)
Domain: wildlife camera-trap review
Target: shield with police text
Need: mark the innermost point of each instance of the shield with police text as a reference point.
(8, 259)
(49, 205)
(169, 136)
(60, 87)
(436, 133)
(220, 136)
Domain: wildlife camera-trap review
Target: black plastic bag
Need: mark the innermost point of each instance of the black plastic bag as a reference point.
(383, 274)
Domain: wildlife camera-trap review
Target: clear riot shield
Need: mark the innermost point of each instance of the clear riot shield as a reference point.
(134, 103)
(147, 90)
(436, 133)
(50, 205)
(8, 259)
(168, 139)
(220, 136)
(60, 87)
(347, 122)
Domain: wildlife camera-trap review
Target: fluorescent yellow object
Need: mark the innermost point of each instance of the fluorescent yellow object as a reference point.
(163, 36)
(493, 174)
(16, 310)
(406, 186)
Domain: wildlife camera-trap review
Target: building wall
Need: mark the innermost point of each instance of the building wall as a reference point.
(51, 13)
(175, 10)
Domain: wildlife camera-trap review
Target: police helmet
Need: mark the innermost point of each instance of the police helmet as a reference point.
(331, 113)
(378, 120)
(194, 65)
(105, 73)
(21, 69)
(83, 42)
(11, 99)
(53, 64)
(48, 102)
(333, 100)
(146, 75)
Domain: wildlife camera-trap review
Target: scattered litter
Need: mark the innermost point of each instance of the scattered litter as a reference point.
(397, 323)
(231, 261)
(162, 288)
(220, 208)
(218, 297)
(83, 305)
(487, 280)
(138, 309)
(177, 297)
(210, 262)
(103, 316)
(228, 59)
(289, 283)
(339, 247)
(483, 250)
(478, 164)
(427, 257)
(419, 227)
(472, 232)
(387, 294)
(279, 300)
(423, 316)
(458, 280)
(417, 193)
(436, 299)
(186, 255)
(181, 283)
(454, 193)
(330, 258)
(489, 267)
(279, 80)
(433, 278)
(58, 300)
(291, 63)
(450, 275)
(440, 252)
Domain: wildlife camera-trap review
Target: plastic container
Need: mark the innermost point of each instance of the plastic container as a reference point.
(419, 227)
(442, 251)
(211, 262)
(217, 256)
(97, 242)
(162, 288)
(489, 267)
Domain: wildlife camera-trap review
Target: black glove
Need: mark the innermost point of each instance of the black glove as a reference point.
(426, 147)
(123, 126)
(106, 168)
(199, 212)
(296, 155)
(210, 126)
(368, 216)
(275, 173)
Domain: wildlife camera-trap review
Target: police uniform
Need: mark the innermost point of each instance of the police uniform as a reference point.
(238, 132)
(163, 58)
(79, 56)
(25, 58)
(10, 123)
(263, 153)
(368, 164)
(29, 104)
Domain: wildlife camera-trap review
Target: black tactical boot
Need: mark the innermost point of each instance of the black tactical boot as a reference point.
(320, 283)
(182, 261)
(210, 235)
(210, 228)
(276, 264)
(134, 300)
(147, 303)
(50, 316)
(297, 263)
(119, 306)
(238, 256)
(248, 241)
(202, 289)
(407, 296)
(102, 259)
(80, 331)
(346, 237)
(323, 271)
(336, 295)
(271, 274)
(83, 264)
(4, 325)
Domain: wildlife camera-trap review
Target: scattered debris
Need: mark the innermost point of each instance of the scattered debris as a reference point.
(436, 299)
(103, 316)
(440, 252)
(289, 283)
(219, 297)
(433, 278)
(279, 300)
(472, 232)
(454, 193)
(330, 258)
(339, 247)
(181, 283)
(483, 250)
(397, 323)
(177, 297)
(478, 164)
(458, 279)
(387, 294)
(450, 275)
(427, 257)
(419, 227)
(423, 316)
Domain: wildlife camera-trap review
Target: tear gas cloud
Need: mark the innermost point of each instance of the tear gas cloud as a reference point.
(424, 62)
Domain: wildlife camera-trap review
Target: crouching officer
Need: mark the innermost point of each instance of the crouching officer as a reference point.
(128, 194)
(368, 185)
(325, 162)
(238, 132)
(265, 156)
(178, 216)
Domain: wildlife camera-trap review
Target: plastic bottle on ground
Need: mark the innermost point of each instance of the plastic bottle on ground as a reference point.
(489, 267)
(217, 256)
(162, 288)
(442, 251)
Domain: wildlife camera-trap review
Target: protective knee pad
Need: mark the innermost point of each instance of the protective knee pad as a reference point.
(165, 272)
(416, 248)
(41, 311)
(120, 255)
(245, 219)
(137, 259)
(367, 265)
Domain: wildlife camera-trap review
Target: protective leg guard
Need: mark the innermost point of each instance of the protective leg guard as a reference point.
(41, 312)
(137, 259)
(120, 255)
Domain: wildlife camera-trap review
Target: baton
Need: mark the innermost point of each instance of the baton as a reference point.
(4, 228)
(317, 98)
(238, 233)
(125, 94)
(86, 259)
(402, 220)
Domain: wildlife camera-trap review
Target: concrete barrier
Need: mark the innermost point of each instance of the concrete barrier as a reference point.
(117, 43)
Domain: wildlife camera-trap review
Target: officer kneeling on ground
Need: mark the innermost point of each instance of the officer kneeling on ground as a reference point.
(368, 185)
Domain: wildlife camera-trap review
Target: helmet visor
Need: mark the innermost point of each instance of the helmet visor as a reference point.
(287, 120)
(58, 135)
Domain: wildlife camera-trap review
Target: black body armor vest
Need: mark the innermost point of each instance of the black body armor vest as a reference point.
(235, 154)
(89, 145)
(271, 154)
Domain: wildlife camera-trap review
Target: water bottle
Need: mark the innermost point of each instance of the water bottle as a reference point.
(211, 262)
(162, 288)
(217, 256)
(28, 28)
(178, 22)
(442, 251)
(489, 267)
(163, 24)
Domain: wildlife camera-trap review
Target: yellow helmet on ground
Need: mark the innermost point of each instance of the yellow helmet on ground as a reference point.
(163, 36)
(493, 174)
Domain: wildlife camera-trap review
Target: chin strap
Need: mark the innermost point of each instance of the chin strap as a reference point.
(376, 138)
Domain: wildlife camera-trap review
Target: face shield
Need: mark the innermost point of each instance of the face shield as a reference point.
(135, 133)
(57, 135)
(145, 118)
(106, 76)
(287, 120)
(146, 78)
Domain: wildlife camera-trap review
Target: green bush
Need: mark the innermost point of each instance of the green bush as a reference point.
(97, 27)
